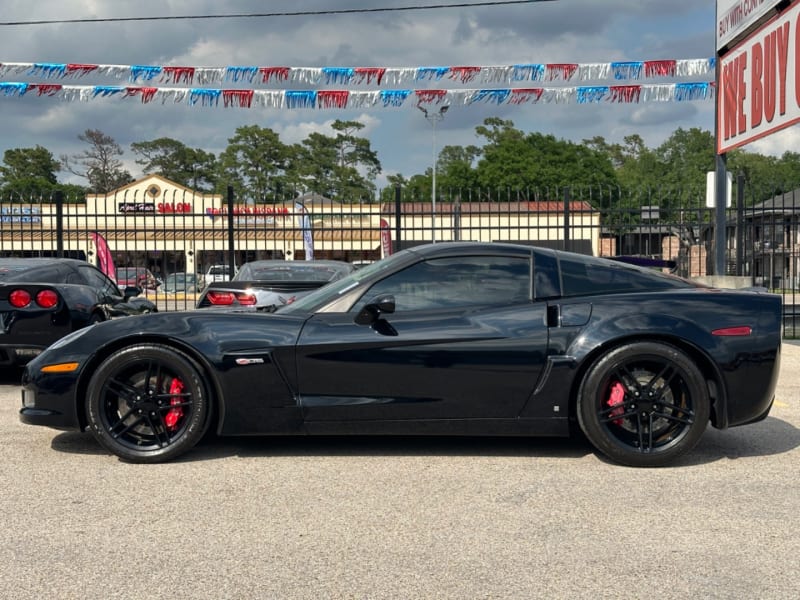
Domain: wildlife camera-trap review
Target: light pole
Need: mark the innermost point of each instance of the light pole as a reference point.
(433, 118)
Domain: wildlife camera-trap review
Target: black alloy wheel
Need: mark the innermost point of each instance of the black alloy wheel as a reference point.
(147, 404)
(644, 404)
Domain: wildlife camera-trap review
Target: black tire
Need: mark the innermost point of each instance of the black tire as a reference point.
(147, 404)
(643, 404)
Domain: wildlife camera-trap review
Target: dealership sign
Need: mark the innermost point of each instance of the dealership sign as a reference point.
(759, 83)
(735, 16)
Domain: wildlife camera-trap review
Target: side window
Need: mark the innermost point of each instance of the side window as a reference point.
(456, 283)
(576, 279)
(99, 281)
(586, 276)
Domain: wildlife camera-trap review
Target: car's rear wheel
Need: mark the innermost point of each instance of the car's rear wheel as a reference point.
(643, 404)
(147, 403)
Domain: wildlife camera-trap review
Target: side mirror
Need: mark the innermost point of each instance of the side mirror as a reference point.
(131, 292)
(373, 310)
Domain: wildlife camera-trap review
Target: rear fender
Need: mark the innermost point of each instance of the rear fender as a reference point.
(602, 337)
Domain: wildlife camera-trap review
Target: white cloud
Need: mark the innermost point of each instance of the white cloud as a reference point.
(565, 31)
(778, 143)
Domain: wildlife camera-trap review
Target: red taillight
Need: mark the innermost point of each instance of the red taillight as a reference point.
(47, 298)
(19, 298)
(744, 330)
(220, 298)
(229, 298)
(246, 299)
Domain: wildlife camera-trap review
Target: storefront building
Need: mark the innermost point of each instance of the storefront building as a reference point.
(158, 224)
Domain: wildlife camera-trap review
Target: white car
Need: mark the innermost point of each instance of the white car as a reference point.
(218, 273)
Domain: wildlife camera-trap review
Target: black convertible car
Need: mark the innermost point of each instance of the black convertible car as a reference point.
(444, 339)
(43, 299)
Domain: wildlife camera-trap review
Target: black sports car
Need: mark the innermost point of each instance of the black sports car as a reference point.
(269, 284)
(449, 338)
(43, 299)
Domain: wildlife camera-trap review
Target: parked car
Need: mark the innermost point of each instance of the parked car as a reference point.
(218, 273)
(136, 277)
(182, 283)
(442, 339)
(44, 299)
(269, 284)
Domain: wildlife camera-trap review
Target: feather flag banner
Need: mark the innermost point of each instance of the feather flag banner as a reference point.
(304, 223)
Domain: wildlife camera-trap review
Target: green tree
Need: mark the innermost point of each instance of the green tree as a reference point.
(29, 174)
(687, 155)
(254, 163)
(170, 158)
(341, 166)
(416, 189)
(506, 158)
(98, 164)
(536, 165)
(456, 173)
(29, 163)
(788, 170)
(765, 176)
(636, 165)
(315, 164)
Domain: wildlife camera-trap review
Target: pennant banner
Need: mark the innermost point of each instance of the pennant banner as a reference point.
(346, 99)
(376, 76)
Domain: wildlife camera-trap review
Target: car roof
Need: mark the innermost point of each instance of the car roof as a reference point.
(32, 269)
(39, 261)
(297, 263)
(458, 248)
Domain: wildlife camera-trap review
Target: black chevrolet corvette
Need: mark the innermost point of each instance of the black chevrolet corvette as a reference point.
(444, 339)
(43, 299)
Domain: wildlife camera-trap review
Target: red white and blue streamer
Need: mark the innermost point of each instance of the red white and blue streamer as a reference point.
(352, 99)
(255, 76)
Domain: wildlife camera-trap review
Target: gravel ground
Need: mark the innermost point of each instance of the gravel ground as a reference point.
(402, 518)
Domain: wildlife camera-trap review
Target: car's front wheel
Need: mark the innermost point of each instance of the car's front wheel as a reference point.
(147, 404)
(643, 404)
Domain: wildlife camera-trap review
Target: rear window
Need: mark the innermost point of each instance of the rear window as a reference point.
(290, 273)
(36, 273)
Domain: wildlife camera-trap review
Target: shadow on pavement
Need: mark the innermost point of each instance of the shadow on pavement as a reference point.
(770, 437)
(282, 446)
(10, 375)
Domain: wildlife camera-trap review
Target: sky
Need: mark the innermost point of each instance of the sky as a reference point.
(558, 31)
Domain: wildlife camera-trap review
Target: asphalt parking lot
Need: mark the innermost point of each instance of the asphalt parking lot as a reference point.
(402, 518)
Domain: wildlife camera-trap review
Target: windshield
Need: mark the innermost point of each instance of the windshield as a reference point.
(331, 291)
(291, 272)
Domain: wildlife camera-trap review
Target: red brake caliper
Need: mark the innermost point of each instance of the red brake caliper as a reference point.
(616, 398)
(174, 414)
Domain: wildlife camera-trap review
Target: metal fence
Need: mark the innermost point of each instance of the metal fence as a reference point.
(169, 229)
